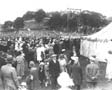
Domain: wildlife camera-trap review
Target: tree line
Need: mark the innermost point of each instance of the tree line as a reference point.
(85, 21)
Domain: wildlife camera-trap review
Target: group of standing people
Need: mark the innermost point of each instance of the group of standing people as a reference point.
(58, 74)
(51, 63)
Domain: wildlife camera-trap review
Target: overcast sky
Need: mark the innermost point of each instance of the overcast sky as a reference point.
(10, 9)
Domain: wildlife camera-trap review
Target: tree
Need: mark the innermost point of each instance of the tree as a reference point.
(55, 22)
(28, 15)
(18, 23)
(73, 23)
(93, 19)
(64, 20)
(8, 25)
(39, 15)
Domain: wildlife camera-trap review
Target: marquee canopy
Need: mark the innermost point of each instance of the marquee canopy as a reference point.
(98, 44)
(104, 34)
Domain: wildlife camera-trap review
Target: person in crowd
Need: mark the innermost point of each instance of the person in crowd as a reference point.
(32, 79)
(20, 65)
(56, 48)
(31, 53)
(68, 53)
(47, 75)
(66, 43)
(76, 73)
(2, 59)
(18, 45)
(54, 70)
(109, 65)
(65, 81)
(92, 73)
(40, 50)
(41, 73)
(25, 47)
(9, 43)
(70, 64)
(62, 62)
(3, 46)
(26, 53)
(61, 46)
(74, 51)
(9, 75)
(63, 51)
(11, 50)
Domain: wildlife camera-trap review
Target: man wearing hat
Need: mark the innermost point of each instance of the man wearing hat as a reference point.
(71, 62)
(76, 72)
(9, 75)
(92, 73)
(54, 70)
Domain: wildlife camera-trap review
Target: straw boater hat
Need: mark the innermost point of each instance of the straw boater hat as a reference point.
(41, 64)
(63, 50)
(23, 84)
(92, 58)
(54, 55)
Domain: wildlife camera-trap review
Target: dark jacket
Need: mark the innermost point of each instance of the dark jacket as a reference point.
(76, 73)
(56, 49)
(54, 68)
(41, 74)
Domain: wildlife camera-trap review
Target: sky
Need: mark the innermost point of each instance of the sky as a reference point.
(11, 9)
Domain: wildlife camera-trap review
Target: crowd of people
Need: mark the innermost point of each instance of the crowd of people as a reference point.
(47, 61)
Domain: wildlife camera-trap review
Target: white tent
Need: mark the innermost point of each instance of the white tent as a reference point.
(98, 44)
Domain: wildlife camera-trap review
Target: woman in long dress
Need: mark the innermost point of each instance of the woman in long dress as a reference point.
(20, 65)
(62, 62)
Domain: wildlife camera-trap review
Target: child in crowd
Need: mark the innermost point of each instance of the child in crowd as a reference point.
(47, 75)
(41, 73)
(32, 78)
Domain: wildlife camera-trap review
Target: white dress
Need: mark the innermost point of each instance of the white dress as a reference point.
(39, 51)
(64, 81)
(20, 65)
